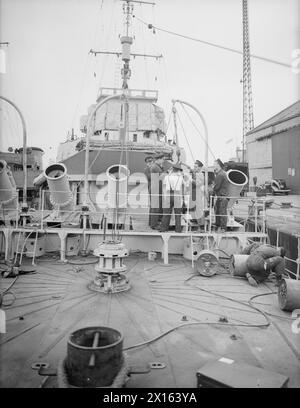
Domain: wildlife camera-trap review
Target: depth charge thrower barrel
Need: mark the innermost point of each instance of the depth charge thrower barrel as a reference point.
(8, 190)
(236, 181)
(60, 193)
(117, 176)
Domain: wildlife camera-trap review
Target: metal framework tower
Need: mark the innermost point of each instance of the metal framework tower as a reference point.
(248, 122)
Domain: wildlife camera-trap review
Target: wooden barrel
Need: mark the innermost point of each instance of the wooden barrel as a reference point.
(289, 294)
(238, 265)
(95, 356)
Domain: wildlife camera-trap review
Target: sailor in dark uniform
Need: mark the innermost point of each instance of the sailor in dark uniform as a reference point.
(221, 192)
(262, 260)
(147, 172)
(156, 209)
(173, 198)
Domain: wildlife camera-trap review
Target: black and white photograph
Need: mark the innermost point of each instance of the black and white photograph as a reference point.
(149, 197)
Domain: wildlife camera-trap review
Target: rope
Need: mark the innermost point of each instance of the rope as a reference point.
(6, 202)
(96, 157)
(13, 129)
(118, 382)
(169, 121)
(87, 262)
(16, 131)
(235, 301)
(64, 204)
(222, 47)
(186, 139)
(268, 322)
(109, 33)
(145, 59)
(87, 61)
(271, 314)
(7, 291)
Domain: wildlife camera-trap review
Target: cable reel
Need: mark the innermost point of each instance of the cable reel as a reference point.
(207, 263)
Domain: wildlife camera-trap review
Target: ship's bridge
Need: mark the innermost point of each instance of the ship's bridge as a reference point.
(142, 94)
(146, 120)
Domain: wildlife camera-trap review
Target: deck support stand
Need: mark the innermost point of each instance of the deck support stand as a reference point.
(298, 259)
(165, 253)
(63, 244)
(85, 223)
(7, 234)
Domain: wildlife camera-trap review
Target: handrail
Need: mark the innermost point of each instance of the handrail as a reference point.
(24, 147)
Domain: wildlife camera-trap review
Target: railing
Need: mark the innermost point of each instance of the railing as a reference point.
(135, 209)
(9, 209)
(137, 204)
(247, 210)
(297, 262)
(138, 93)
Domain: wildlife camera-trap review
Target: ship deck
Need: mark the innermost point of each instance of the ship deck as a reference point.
(54, 301)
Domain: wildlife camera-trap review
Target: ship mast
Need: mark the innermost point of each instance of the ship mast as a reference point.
(126, 42)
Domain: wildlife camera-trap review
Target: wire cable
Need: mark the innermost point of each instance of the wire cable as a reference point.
(267, 324)
(271, 314)
(85, 69)
(233, 300)
(7, 291)
(222, 47)
(185, 136)
(169, 121)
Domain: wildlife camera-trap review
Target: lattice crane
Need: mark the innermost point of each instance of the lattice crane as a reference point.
(248, 121)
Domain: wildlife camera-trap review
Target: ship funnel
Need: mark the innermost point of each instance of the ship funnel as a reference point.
(8, 191)
(236, 180)
(57, 178)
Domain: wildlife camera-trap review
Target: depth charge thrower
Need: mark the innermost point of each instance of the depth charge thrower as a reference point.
(110, 269)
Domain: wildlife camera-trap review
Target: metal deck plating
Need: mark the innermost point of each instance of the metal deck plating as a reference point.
(56, 301)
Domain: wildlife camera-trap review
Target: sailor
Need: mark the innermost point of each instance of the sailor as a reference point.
(174, 185)
(156, 172)
(220, 190)
(197, 193)
(262, 260)
(147, 172)
(167, 164)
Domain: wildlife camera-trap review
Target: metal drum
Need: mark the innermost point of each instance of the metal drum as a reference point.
(207, 263)
(95, 356)
(238, 265)
(289, 294)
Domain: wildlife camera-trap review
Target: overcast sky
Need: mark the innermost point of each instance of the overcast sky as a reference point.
(53, 80)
